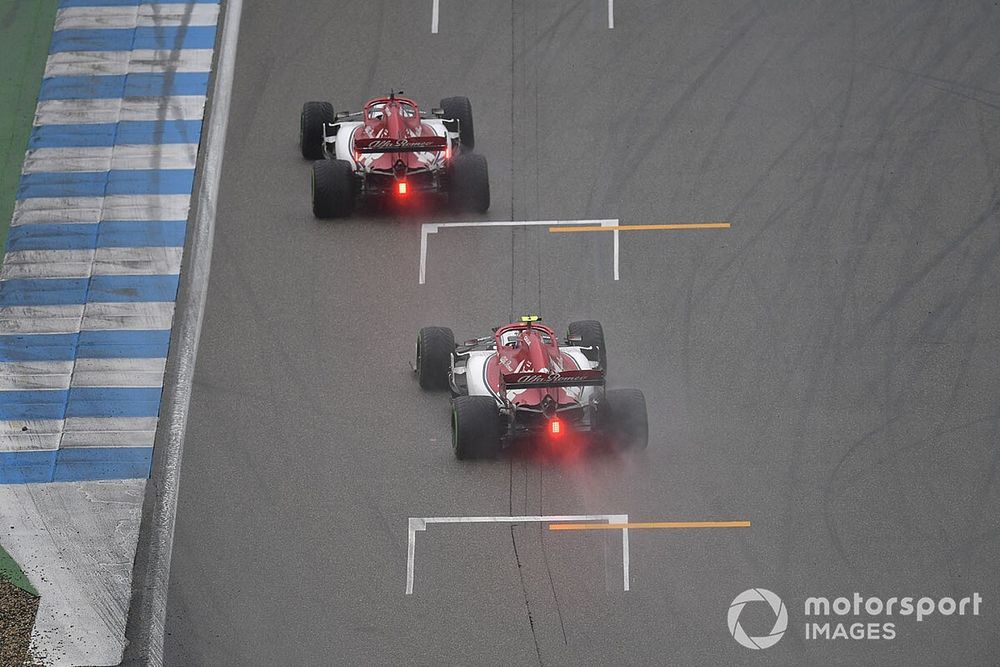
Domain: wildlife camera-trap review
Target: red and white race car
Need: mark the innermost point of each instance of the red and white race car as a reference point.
(522, 382)
(391, 149)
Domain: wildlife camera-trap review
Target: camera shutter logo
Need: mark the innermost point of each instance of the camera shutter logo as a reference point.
(780, 621)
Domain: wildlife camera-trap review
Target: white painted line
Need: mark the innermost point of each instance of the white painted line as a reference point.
(140, 315)
(77, 112)
(57, 209)
(137, 261)
(118, 373)
(144, 16)
(434, 17)
(40, 319)
(47, 264)
(110, 424)
(90, 158)
(615, 234)
(611, 14)
(30, 435)
(111, 438)
(141, 61)
(146, 207)
(625, 558)
(155, 156)
(22, 375)
(91, 209)
(420, 524)
(433, 227)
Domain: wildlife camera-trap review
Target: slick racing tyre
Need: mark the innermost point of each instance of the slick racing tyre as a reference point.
(460, 109)
(434, 348)
(332, 188)
(626, 424)
(470, 183)
(314, 114)
(475, 427)
(591, 334)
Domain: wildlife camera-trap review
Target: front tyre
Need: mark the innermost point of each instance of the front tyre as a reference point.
(314, 116)
(332, 189)
(475, 427)
(470, 183)
(628, 426)
(435, 346)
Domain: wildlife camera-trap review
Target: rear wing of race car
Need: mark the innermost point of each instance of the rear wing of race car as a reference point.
(570, 378)
(411, 145)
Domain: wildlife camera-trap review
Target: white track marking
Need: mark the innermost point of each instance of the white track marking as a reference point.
(137, 315)
(162, 15)
(432, 228)
(21, 375)
(420, 524)
(71, 112)
(47, 264)
(137, 261)
(118, 372)
(145, 61)
(608, 223)
(434, 17)
(40, 319)
(90, 209)
(611, 17)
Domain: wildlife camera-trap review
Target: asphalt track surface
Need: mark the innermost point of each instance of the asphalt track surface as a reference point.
(827, 368)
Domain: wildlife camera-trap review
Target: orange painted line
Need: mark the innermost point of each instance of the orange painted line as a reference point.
(654, 524)
(640, 228)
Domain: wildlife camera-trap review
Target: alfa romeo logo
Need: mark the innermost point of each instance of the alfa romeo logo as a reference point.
(780, 618)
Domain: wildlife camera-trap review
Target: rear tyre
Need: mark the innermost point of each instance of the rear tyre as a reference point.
(591, 334)
(475, 427)
(460, 109)
(627, 425)
(314, 115)
(470, 183)
(434, 348)
(332, 188)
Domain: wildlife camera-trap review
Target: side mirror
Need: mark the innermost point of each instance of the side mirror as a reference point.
(341, 115)
(438, 112)
(471, 342)
(575, 340)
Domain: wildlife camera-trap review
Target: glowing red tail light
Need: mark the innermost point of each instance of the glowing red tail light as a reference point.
(555, 428)
(402, 187)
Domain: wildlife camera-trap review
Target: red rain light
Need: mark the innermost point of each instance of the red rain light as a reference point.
(555, 428)
(402, 187)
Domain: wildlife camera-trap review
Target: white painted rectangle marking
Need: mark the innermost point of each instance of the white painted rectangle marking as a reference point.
(137, 261)
(77, 112)
(145, 15)
(88, 158)
(47, 264)
(115, 63)
(432, 228)
(40, 319)
(611, 14)
(416, 524)
(138, 315)
(435, 12)
(25, 375)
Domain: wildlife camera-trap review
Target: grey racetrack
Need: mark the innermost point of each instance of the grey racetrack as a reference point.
(827, 368)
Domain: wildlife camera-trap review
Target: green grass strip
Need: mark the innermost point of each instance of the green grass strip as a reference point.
(10, 571)
(25, 33)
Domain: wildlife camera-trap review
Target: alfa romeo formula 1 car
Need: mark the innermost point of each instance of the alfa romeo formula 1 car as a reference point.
(392, 149)
(522, 382)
